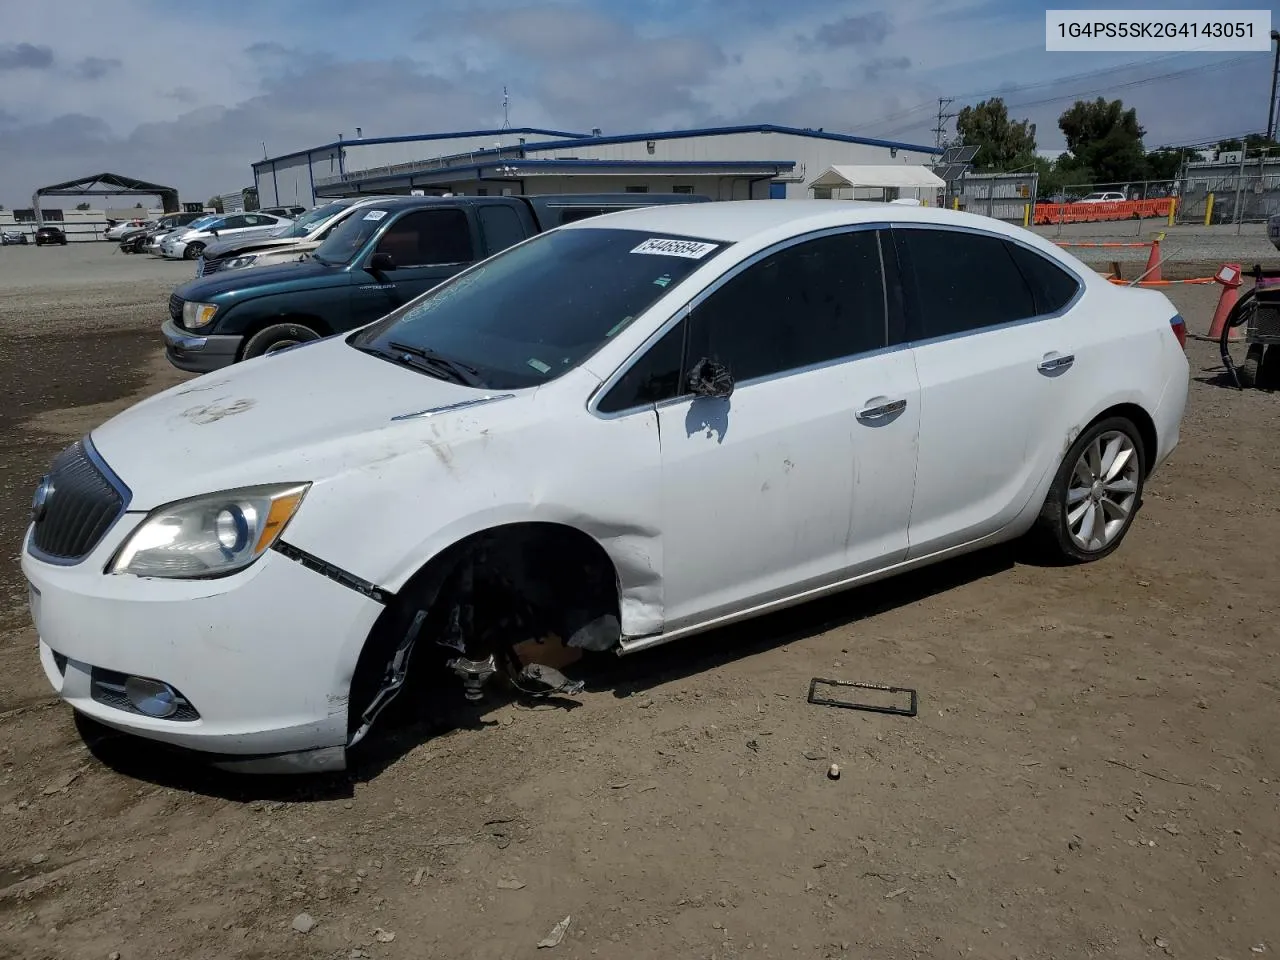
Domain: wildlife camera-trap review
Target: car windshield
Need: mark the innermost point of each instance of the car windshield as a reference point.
(535, 311)
(310, 220)
(199, 222)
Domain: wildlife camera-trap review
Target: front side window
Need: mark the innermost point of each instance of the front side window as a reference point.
(964, 282)
(535, 311)
(809, 303)
(424, 237)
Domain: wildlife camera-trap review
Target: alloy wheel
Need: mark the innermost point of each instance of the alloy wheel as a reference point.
(1102, 492)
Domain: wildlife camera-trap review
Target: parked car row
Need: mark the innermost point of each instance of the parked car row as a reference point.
(184, 236)
(44, 236)
(377, 253)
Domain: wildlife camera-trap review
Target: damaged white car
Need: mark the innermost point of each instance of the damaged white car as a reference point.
(625, 431)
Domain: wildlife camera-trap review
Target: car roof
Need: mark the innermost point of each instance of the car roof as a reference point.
(736, 220)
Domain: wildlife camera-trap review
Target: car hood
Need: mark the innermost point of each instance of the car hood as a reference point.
(280, 419)
(229, 248)
(232, 281)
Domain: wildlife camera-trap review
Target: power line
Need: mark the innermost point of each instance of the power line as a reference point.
(1021, 88)
(1142, 81)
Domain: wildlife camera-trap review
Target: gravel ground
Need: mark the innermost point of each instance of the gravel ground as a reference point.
(1093, 772)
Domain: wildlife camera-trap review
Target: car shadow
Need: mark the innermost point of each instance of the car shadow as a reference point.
(432, 703)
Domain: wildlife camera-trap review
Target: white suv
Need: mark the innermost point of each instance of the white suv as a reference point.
(623, 432)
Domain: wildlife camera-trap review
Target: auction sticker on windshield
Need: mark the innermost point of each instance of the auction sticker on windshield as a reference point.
(689, 249)
(375, 214)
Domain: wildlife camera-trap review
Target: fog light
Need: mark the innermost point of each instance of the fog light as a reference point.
(151, 697)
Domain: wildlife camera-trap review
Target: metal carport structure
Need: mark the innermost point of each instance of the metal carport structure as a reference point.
(112, 185)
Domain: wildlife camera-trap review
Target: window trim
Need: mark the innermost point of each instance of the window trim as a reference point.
(911, 307)
(681, 314)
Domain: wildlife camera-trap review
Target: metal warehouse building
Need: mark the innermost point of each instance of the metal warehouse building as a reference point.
(724, 163)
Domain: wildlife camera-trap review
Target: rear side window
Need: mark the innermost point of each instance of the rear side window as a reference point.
(1051, 286)
(501, 227)
(963, 282)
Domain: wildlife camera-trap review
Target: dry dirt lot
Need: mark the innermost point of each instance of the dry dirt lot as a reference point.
(1094, 770)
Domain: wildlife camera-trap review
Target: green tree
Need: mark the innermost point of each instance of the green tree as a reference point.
(214, 204)
(1106, 139)
(1003, 144)
(1164, 164)
(250, 196)
(1254, 142)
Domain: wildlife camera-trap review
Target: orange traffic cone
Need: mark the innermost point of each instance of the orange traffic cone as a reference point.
(1153, 261)
(1229, 277)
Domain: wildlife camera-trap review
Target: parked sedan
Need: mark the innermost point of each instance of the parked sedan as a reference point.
(189, 243)
(626, 431)
(50, 235)
(12, 237)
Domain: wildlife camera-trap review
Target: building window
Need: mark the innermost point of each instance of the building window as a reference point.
(682, 188)
(822, 193)
(482, 191)
(635, 189)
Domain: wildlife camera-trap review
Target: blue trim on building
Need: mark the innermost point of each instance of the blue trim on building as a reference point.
(746, 128)
(415, 137)
(767, 168)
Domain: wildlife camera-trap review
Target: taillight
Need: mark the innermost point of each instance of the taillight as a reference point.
(1179, 327)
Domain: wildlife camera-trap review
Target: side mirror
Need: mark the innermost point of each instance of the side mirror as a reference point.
(381, 261)
(709, 378)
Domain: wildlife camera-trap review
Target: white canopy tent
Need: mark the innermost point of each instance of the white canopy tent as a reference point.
(884, 182)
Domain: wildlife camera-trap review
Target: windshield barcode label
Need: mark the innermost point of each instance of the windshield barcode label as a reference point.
(689, 249)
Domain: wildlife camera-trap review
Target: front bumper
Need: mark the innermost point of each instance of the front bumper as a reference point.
(264, 657)
(198, 353)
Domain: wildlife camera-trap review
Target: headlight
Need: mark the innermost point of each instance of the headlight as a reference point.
(235, 263)
(211, 535)
(197, 315)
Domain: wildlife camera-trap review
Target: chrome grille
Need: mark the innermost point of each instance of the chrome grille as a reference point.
(80, 504)
(212, 266)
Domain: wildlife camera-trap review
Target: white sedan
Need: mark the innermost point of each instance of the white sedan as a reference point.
(626, 431)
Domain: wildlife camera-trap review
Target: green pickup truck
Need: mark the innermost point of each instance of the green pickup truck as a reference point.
(372, 263)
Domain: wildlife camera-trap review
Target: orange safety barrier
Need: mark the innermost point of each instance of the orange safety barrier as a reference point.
(1048, 213)
(1159, 283)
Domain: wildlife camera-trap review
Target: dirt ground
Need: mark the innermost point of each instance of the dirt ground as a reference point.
(1094, 770)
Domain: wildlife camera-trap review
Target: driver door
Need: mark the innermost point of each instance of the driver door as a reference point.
(426, 248)
(803, 475)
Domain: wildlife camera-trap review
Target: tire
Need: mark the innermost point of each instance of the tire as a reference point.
(1269, 369)
(193, 251)
(1061, 530)
(277, 337)
(1250, 370)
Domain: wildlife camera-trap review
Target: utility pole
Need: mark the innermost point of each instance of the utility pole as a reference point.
(943, 117)
(1275, 70)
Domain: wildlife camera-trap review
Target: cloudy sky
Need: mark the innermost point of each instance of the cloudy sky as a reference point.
(186, 94)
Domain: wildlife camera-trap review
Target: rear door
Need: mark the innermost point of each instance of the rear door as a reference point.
(426, 248)
(997, 348)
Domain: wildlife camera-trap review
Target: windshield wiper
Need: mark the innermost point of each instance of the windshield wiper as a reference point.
(459, 372)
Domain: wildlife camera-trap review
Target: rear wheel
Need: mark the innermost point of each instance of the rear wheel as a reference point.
(277, 337)
(1096, 493)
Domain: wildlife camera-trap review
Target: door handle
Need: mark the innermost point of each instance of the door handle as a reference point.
(882, 410)
(1049, 364)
